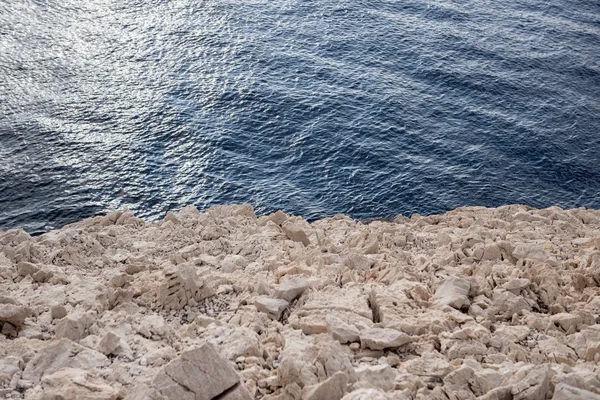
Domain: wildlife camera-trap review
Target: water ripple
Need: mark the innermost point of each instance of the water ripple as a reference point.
(314, 107)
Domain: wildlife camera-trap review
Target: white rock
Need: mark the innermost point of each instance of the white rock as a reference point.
(236, 342)
(533, 251)
(71, 327)
(563, 391)
(333, 388)
(368, 394)
(152, 325)
(341, 331)
(109, 343)
(9, 366)
(75, 383)
(62, 353)
(377, 377)
(530, 383)
(429, 364)
(381, 338)
(233, 262)
(182, 284)
(199, 374)
(14, 314)
(295, 232)
(516, 285)
(453, 291)
(566, 320)
(291, 289)
(272, 307)
(307, 360)
(58, 311)
(358, 262)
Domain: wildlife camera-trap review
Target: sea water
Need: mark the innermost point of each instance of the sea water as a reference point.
(316, 107)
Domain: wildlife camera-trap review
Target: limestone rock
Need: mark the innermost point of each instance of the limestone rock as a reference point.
(152, 326)
(9, 366)
(236, 342)
(533, 251)
(232, 263)
(381, 338)
(367, 394)
(109, 343)
(498, 393)
(290, 289)
(453, 291)
(238, 392)
(348, 304)
(71, 327)
(341, 331)
(62, 353)
(199, 374)
(75, 383)
(295, 232)
(182, 286)
(530, 383)
(58, 311)
(307, 360)
(14, 314)
(509, 304)
(278, 217)
(429, 364)
(516, 285)
(358, 262)
(477, 303)
(567, 321)
(378, 376)
(143, 392)
(565, 392)
(333, 388)
(272, 307)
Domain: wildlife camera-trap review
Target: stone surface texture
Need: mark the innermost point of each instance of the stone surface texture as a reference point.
(474, 304)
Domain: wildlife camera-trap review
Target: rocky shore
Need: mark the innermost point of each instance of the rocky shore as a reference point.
(489, 304)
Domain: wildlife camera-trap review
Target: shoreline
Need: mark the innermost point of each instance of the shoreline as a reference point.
(477, 303)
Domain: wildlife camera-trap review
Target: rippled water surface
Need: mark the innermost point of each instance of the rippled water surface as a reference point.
(370, 108)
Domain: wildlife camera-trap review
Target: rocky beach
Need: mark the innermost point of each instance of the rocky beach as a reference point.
(478, 303)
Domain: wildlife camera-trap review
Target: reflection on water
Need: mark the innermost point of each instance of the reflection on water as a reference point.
(319, 107)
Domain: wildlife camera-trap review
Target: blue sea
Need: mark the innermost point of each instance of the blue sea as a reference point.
(316, 107)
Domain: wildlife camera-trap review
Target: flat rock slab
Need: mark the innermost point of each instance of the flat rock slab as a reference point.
(199, 374)
(381, 338)
(348, 304)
